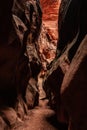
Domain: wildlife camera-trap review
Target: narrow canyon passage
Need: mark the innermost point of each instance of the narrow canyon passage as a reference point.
(42, 117)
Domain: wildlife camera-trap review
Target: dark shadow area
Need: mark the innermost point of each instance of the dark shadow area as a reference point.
(54, 122)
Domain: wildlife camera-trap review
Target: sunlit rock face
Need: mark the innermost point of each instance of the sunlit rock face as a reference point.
(50, 16)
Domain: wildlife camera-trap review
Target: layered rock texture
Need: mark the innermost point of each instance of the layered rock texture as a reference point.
(18, 69)
(49, 33)
(21, 61)
(50, 16)
(37, 92)
(65, 82)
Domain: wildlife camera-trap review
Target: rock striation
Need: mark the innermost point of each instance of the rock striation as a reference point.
(18, 69)
(65, 82)
(50, 16)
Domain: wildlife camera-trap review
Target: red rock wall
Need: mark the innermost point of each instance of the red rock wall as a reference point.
(50, 9)
(50, 16)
